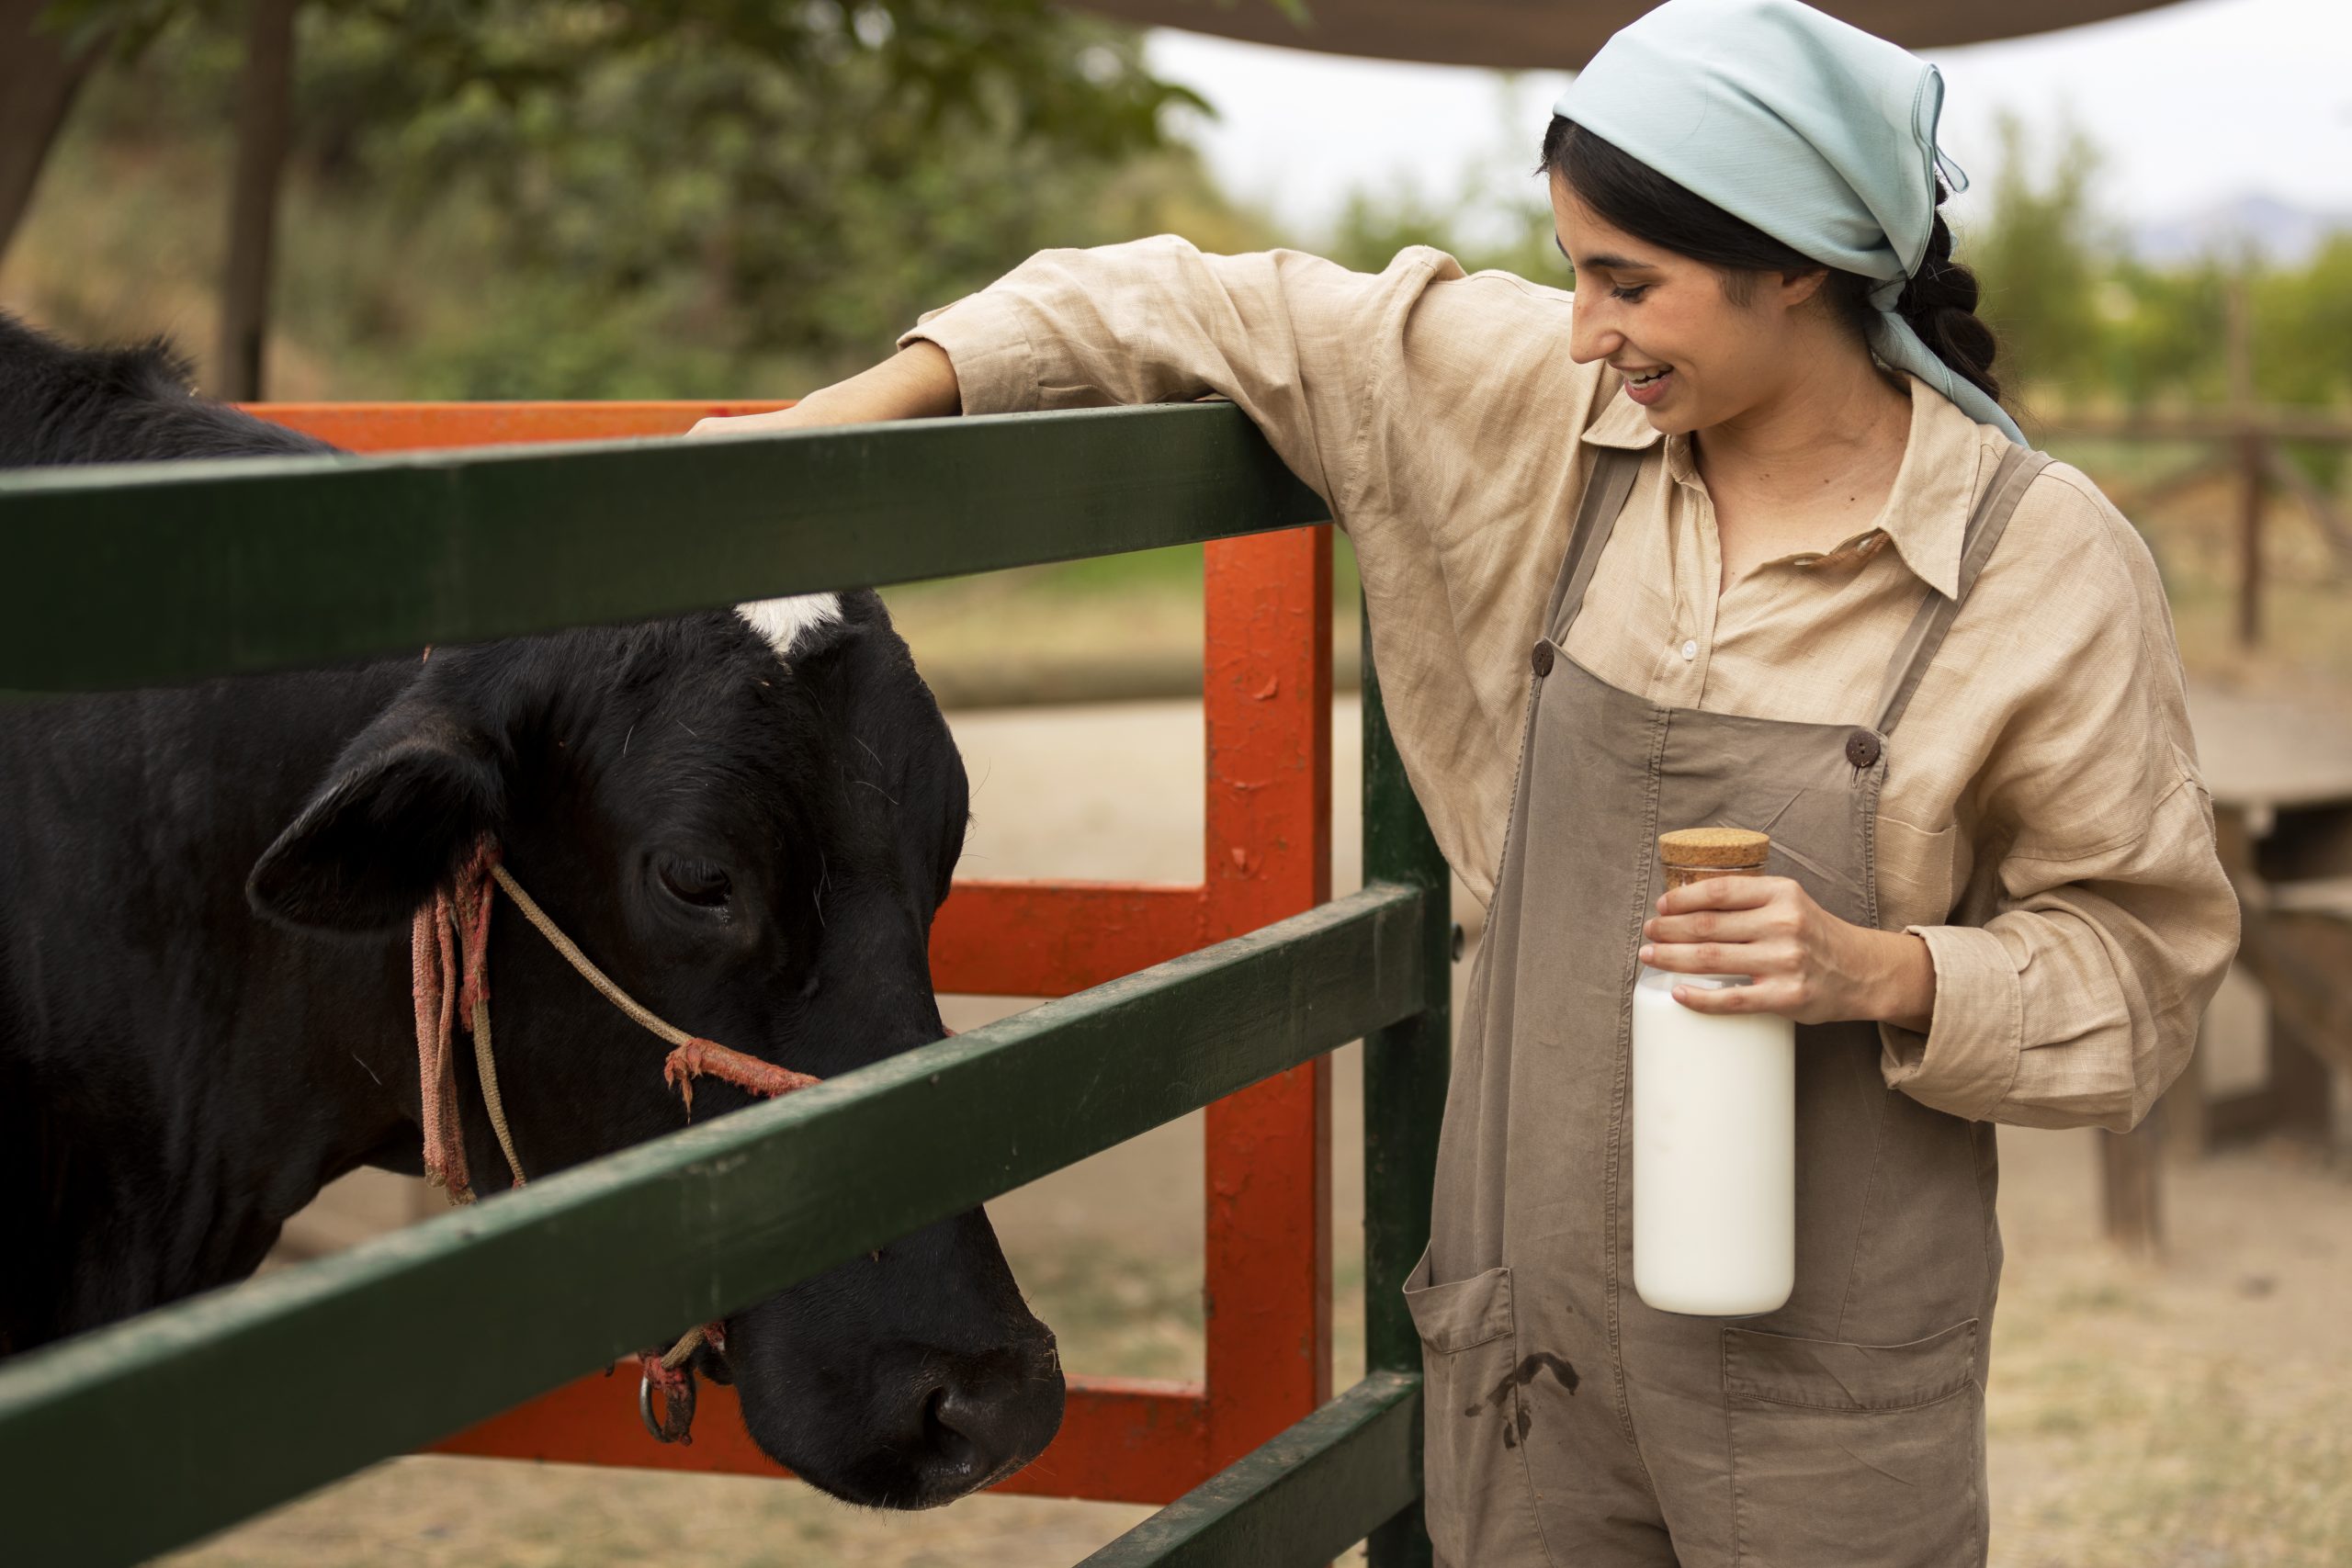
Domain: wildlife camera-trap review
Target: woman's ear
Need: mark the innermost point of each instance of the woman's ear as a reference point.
(401, 807)
(1800, 287)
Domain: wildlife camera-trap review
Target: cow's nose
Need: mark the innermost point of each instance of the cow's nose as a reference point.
(987, 1418)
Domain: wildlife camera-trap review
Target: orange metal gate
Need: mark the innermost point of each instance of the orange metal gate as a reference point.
(1267, 854)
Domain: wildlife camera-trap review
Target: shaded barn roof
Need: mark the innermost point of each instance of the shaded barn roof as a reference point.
(1562, 34)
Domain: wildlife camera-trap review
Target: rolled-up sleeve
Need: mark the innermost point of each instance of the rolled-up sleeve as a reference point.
(2107, 919)
(1295, 340)
(2077, 1005)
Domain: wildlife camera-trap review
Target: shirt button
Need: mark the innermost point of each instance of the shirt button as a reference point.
(1540, 659)
(1691, 649)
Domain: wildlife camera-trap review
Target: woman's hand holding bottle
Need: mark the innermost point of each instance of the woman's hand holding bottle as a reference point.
(1806, 963)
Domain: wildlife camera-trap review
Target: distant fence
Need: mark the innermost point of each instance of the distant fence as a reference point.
(2248, 439)
(2249, 452)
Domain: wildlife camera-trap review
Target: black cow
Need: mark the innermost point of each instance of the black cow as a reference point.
(747, 817)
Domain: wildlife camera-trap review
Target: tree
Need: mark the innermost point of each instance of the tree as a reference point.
(265, 127)
(43, 65)
(627, 133)
(2038, 260)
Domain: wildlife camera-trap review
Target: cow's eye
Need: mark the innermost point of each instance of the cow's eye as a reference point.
(695, 882)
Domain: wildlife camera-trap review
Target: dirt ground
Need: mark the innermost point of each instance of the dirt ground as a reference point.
(2195, 1410)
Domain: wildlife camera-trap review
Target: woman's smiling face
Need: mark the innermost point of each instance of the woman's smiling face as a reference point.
(1690, 355)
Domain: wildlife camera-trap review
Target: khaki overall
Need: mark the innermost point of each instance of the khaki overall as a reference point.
(1567, 1422)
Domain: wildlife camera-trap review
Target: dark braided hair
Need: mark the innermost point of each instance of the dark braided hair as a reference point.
(1940, 301)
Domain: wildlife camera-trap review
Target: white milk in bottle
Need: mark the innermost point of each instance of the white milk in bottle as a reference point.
(1715, 1125)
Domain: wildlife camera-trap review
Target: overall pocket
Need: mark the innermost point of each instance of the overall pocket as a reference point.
(1861, 1454)
(1480, 1510)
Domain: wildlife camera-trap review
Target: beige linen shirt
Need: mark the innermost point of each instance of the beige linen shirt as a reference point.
(2044, 826)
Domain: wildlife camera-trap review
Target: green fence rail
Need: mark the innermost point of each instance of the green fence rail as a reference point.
(149, 1434)
(214, 568)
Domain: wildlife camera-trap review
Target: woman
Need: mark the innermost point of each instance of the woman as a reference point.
(1739, 533)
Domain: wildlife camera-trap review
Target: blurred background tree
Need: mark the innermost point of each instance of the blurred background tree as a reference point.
(546, 198)
(2038, 256)
(704, 197)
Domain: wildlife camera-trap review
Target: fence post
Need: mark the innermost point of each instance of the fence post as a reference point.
(1266, 696)
(1404, 1072)
(2250, 449)
(2130, 1186)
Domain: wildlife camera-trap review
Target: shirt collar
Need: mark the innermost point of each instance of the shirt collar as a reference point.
(1623, 424)
(1935, 487)
(1935, 490)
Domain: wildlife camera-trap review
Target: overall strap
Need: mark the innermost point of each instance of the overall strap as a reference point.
(1604, 498)
(2020, 465)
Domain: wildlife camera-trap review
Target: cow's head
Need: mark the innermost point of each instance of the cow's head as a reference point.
(748, 820)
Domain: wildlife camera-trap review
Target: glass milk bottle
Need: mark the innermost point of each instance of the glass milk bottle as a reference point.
(1715, 1125)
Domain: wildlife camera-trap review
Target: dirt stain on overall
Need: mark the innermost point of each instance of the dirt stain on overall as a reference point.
(1521, 1376)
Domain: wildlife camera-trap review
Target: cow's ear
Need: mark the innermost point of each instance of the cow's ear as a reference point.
(403, 805)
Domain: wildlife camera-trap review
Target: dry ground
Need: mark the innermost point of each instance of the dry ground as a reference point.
(2195, 1411)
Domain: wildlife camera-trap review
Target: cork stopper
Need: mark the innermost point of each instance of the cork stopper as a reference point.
(1694, 855)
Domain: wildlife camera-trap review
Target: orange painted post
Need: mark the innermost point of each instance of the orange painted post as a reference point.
(1268, 852)
(1267, 701)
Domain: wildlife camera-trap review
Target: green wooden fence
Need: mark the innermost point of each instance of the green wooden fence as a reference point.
(141, 1437)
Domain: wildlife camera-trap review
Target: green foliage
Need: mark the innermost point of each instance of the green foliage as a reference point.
(771, 205)
(2161, 332)
(2082, 320)
(702, 198)
(2038, 258)
(2302, 327)
(557, 199)
(1479, 229)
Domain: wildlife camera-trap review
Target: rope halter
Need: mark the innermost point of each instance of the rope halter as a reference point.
(448, 974)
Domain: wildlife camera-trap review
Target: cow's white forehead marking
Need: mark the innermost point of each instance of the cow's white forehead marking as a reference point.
(782, 621)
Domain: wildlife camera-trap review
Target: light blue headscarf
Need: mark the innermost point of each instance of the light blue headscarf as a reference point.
(1818, 133)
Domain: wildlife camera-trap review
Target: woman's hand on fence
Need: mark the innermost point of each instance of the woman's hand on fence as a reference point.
(799, 416)
(766, 423)
(918, 382)
(1807, 964)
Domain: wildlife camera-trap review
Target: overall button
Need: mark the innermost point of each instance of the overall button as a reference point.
(1861, 749)
(1541, 659)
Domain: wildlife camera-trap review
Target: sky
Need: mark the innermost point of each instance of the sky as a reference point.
(2192, 103)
